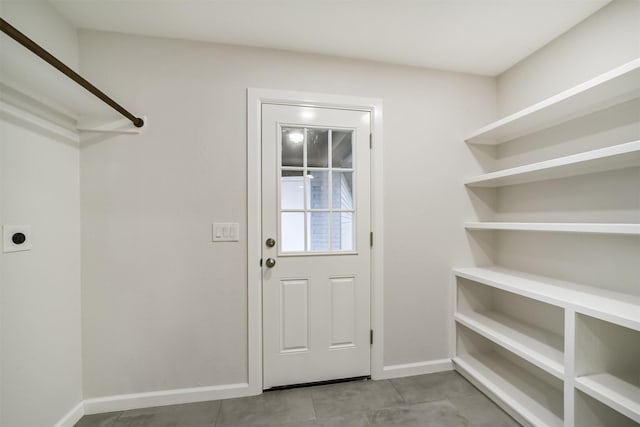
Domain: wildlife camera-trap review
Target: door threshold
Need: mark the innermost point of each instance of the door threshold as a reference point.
(317, 383)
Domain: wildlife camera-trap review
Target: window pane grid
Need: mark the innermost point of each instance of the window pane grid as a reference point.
(329, 199)
(301, 169)
(317, 210)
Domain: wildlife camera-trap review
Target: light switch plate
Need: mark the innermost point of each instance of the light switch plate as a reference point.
(225, 232)
(8, 231)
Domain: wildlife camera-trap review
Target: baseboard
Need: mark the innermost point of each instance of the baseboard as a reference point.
(418, 368)
(125, 402)
(72, 417)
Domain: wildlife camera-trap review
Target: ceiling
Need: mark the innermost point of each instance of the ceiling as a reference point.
(475, 36)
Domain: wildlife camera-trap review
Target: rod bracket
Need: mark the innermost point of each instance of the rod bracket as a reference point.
(111, 125)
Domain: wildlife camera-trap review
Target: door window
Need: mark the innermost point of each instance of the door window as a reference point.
(316, 192)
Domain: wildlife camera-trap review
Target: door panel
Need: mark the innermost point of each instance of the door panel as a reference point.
(316, 206)
(343, 309)
(295, 315)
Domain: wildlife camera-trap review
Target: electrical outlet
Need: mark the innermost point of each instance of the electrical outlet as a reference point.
(16, 238)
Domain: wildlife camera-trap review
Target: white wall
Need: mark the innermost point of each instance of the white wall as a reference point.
(607, 39)
(40, 292)
(164, 307)
(39, 21)
(24, 71)
(40, 350)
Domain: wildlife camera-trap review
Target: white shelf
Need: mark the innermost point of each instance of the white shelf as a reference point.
(620, 391)
(538, 347)
(611, 158)
(613, 87)
(44, 115)
(614, 307)
(600, 326)
(562, 227)
(535, 400)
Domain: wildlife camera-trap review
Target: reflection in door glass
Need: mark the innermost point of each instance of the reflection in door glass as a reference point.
(318, 232)
(341, 149)
(318, 184)
(318, 148)
(292, 189)
(342, 231)
(292, 231)
(292, 146)
(342, 190)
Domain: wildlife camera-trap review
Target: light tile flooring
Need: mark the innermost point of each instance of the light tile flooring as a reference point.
(444, 400)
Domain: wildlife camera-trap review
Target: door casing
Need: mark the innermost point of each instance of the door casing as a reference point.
(255, 99)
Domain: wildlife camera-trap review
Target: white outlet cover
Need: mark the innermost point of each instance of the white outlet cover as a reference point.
(7, 242)
(225, 231)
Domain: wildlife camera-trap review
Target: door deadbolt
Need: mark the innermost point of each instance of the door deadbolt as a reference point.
(271, 262)
(270, 242)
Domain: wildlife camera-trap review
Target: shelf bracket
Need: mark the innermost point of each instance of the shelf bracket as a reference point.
(109, 125)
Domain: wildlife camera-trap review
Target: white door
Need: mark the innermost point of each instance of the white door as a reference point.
(316, 269)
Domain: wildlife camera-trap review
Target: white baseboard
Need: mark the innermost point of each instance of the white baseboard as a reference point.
(419, 368)
(124, 402)
(72, 417)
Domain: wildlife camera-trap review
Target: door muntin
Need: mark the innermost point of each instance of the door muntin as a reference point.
(317, 190)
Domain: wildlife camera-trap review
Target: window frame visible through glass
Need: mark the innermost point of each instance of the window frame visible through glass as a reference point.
(330, 170)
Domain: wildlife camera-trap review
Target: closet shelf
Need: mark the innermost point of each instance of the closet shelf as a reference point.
(561, 227)
(613, 87)
(619, 391)
(69, 125)
(610, 158)
(538, 347)
(615, 307)
(534, 399)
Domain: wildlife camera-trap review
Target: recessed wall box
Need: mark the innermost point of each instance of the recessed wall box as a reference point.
(16, 238)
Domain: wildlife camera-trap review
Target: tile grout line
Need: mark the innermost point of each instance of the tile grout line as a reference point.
(217, 417)
(313, 405)
(117, 418)
(397, 391)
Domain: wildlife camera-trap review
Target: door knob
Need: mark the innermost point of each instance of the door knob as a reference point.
(270, 242)
(271, 262)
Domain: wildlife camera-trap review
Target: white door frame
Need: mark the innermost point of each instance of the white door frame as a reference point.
(255, 99)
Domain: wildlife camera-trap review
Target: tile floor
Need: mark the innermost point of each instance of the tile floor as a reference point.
(444, 399)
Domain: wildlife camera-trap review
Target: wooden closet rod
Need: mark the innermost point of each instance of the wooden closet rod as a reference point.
(60, 66)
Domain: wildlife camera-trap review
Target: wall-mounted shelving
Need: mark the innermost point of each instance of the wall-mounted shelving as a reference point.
(559, 227)
(621, 392)
(606, 340)
(613, 87)
(497, 373)
(591, 412)
(577, 345)
(605, 159)
(537, 346)
(607, 364)
(615, 307)
(489, 312)
(535, 396)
